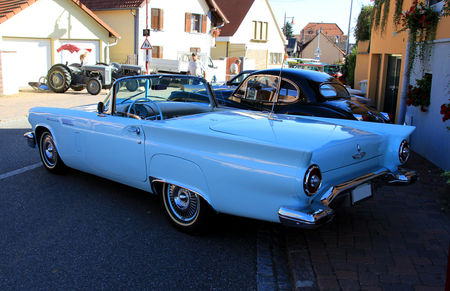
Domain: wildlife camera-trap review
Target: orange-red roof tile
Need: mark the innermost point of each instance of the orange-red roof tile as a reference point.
(327, 28)
(112, 4)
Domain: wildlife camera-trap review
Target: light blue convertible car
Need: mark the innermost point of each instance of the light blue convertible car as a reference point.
(157, 134)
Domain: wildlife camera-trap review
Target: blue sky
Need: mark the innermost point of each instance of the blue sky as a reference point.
(329, 11)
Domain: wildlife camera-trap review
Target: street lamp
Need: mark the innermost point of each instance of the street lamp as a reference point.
(284, 23)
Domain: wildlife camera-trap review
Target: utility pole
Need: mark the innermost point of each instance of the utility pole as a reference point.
(348, 32)
(146, 27)
(318, 45)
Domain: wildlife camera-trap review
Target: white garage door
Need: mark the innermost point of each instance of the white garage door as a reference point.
(89, 47)
(33, 59)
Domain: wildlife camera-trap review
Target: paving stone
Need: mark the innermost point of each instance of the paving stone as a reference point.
(368, 279)
(349, 285)
(426, 288)
(327, 283)
(371, 288)
(346, 275)
(399, 240)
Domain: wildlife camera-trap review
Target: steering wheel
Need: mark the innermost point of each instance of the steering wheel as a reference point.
(155, 116)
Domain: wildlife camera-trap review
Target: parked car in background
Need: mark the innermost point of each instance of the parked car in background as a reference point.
(167, 139)
(302, 92)
(224, 90)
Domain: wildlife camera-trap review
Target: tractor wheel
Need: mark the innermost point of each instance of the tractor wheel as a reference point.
(132, 85)
(94, 86)
(59, 78)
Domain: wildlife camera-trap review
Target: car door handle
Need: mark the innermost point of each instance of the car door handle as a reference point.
(134, 129)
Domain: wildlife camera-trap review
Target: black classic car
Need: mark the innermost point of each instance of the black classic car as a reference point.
(301, 92)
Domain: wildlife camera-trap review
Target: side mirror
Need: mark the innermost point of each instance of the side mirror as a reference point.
(100, 107)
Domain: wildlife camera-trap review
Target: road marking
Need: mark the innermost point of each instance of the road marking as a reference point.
(20, 171)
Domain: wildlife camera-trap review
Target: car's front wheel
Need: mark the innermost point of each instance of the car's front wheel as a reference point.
(186, 210)
(49, 154)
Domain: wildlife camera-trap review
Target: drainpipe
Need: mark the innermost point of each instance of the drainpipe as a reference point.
(405, 83)
(107, 46)
(228, 43)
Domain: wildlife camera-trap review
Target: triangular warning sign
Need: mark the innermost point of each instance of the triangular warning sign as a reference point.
(146, 45)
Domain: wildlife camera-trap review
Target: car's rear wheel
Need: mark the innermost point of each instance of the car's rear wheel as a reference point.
(186, 210)
(94, 86)
(59, 78)
(49, 154)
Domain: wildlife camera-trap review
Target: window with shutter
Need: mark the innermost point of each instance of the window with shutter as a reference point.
(187, 22)
(195, 23)
(203, 23)
(157, 52)
(157, 19)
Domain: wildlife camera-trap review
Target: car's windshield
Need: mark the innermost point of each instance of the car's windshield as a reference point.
(162, 88)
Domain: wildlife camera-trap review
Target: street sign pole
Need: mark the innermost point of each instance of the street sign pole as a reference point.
(146, 38)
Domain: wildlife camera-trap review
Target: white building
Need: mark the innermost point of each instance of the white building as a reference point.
(32, 31)
(175, 26)
(252, 34)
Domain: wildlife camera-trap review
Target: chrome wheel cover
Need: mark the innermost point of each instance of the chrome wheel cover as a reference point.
(183, 204)
(48, 151)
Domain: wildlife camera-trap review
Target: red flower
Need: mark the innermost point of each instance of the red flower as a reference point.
(409, 102)
(422, 19)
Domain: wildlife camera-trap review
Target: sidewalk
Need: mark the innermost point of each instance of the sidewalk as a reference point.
(14, 108)
(399, 240)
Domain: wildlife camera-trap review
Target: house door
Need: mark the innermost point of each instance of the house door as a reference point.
(392, 82)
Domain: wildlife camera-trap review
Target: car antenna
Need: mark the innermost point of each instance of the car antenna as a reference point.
(275, 100)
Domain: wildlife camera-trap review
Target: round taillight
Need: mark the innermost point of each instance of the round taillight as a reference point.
(312, 180)
(404, 152)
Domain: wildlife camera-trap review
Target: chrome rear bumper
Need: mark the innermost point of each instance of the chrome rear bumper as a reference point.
(30, 139)
(319, 212)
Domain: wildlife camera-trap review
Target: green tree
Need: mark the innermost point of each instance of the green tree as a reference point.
(288, 30)
(364, 24)
(349, 67)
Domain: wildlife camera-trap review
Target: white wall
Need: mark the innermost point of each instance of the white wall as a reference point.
(58, 19)
(259, 11)
(36, 33)
(10, 82)
(221, 70)
(173, 38)
(431, 138)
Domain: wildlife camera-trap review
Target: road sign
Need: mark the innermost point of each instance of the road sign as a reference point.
(146, 45)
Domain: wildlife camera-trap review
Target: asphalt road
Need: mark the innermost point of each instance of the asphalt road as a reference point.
(78, 231)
